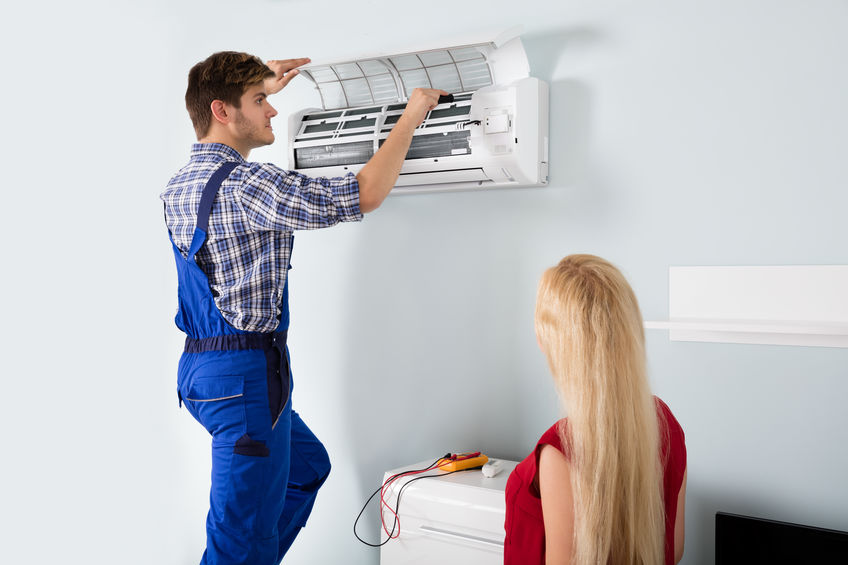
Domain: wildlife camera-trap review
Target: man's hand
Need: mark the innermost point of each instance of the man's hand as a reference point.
(421, 101)
(380, 173)
(284, 71)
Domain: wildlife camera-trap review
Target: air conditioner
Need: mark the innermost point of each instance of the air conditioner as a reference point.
(493, 134)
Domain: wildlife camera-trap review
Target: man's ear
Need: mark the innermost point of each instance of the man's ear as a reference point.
(219, 111)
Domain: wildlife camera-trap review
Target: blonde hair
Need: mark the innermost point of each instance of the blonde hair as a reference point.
(590, 328)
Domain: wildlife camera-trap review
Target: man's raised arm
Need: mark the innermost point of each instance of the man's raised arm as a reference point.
(380, 173)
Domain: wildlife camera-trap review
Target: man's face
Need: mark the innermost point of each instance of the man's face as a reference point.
(252, 122)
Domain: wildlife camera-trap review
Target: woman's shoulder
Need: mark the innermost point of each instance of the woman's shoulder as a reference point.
(525, 476)
(552, 435)
(672, 442)
(529, 465)
(667, 417)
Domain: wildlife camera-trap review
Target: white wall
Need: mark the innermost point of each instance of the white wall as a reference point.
(682, 133)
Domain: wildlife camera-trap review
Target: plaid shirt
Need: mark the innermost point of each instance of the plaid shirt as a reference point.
(247, 251)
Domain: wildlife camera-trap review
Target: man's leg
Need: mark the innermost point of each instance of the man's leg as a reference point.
(250, 464)
(309, 468)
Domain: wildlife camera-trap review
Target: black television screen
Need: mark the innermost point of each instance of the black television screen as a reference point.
(747, 540)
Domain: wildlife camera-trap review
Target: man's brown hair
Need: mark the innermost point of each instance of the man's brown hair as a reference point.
(224, 76)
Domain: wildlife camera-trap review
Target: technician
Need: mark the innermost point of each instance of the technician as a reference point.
(230, 222)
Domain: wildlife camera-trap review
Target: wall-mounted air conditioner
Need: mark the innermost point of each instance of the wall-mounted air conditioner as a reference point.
(493, 134)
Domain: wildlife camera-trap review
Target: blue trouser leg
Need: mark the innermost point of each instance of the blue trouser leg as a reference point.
(228, 393)
(310, 466)
(264, 479)
(242, 522)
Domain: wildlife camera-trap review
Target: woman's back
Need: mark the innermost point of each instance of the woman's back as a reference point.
(525, 529)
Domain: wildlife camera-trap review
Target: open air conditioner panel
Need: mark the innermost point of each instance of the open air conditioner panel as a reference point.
(392, 79)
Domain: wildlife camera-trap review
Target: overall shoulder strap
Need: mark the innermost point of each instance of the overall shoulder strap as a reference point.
(209, 192)
(205, 208)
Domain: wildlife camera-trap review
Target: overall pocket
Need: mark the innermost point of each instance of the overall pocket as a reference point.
(217, 402)
(279, 385)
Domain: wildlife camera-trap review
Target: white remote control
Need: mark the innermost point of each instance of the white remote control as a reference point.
(492, 468)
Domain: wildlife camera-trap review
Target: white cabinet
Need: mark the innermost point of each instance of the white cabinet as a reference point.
(457, 517)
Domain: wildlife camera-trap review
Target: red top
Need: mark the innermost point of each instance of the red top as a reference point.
(525, 528)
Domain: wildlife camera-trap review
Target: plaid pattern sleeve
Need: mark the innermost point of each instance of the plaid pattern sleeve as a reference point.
(276, 199)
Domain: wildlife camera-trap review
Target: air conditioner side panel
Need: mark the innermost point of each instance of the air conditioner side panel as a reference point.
(532, 128)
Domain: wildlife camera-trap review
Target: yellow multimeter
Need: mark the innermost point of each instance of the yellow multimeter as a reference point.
(462, 461)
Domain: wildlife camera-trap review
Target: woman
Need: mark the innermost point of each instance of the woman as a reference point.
(607, 484)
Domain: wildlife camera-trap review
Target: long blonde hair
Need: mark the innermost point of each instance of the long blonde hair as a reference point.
(590, 328)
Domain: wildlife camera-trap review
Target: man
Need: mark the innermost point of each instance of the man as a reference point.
(231, 223)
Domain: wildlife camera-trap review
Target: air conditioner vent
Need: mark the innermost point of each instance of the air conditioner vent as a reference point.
(448, 112)
(438, 145)
(315, 128)
(330, 156)
(359, 111)
(361, 123)
(324, 116)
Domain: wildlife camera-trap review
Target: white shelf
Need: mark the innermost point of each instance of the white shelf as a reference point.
(782, 305)
(764, 332)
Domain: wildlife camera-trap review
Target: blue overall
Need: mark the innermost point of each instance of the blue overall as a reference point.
(267, 466)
